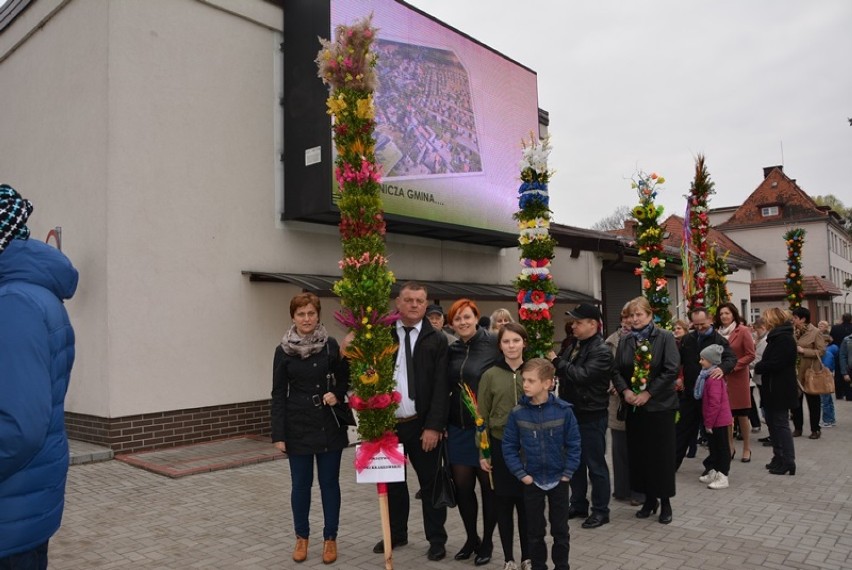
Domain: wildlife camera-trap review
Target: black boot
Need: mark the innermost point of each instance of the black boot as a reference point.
(783, 469)
(649, 507)
(483, 554)
(665, 511)
(775, 462)
(471, 546)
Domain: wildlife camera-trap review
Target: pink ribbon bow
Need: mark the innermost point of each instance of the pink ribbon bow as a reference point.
(386, 444)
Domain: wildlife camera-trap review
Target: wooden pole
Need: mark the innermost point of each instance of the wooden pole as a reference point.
(382, 489)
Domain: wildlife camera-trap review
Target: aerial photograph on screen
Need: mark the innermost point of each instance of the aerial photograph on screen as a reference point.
(425, 124)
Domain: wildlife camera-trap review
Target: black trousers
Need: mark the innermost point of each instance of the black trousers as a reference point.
(35, 559)
(782, 440)
(753, 415)
(814, 413)
(426, 466)
(686, 429)
(720, 451)
(651, 452)
(557, 514)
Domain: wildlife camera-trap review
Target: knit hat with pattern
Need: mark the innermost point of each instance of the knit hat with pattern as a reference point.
(14, 212)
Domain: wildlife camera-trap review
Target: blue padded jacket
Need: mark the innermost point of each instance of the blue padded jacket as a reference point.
(36, 355)
(542, 440)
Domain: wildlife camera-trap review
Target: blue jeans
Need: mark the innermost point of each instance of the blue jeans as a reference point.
(302, 477)
(593, 460)
(35, 559)
(828, 416)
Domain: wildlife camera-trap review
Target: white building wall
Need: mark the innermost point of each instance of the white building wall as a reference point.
(191, 199)
(150, 131)
(840, 260)
(768, 244)
(720, 215)
(739, 286)
(54, 149)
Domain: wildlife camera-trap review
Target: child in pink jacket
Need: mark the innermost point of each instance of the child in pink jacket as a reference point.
(713, 393)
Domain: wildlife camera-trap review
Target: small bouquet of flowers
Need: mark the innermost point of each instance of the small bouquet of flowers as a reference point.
(641, 366)
(468, 398)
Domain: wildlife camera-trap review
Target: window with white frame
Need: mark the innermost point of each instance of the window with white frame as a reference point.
(768, 211)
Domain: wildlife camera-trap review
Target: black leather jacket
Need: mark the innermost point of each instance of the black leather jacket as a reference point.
(467, 362)
(584, 381)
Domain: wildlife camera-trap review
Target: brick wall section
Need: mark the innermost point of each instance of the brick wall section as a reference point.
(159, 430)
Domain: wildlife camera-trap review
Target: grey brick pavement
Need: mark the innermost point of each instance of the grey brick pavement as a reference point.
(118, 516)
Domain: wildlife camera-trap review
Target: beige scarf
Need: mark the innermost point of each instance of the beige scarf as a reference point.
(726, 331)
(303, 347)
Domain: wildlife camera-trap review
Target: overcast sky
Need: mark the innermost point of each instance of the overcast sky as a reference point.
(650, 84)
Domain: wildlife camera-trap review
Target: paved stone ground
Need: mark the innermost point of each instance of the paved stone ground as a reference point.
(118, 516)
(203, 457)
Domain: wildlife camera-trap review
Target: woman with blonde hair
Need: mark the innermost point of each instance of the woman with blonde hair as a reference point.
(646, 367)
(680, 328)
(779, 394)
(499, 318)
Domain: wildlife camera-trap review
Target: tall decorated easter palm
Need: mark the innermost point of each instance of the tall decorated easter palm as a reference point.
(649, 240)
(535, 286)
(347, 65)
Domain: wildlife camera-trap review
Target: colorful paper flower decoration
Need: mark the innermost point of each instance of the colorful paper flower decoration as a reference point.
(649, 239)
(535, 286)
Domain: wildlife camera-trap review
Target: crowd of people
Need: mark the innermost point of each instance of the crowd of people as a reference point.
(662, 394)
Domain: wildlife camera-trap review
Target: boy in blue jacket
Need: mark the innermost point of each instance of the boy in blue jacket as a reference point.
(544, 429)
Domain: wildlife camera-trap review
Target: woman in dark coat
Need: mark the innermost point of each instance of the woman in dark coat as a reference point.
(779, 391)
(469, 357)
(650, 422)
(309, 378)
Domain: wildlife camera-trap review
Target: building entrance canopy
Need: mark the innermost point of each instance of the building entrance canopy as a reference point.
(322, 286)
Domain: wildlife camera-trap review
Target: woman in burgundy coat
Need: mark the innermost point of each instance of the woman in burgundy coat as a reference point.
(731, 326)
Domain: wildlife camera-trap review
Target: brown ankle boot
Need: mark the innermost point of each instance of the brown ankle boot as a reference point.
(329, 551)
(300, 553)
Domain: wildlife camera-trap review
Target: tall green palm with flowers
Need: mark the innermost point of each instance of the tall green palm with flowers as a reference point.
(348, 65)
(535, 286)
(696, 229)
(649, 240)
(795, 240)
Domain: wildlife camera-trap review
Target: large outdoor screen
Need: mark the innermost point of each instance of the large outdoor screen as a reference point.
(450, 117)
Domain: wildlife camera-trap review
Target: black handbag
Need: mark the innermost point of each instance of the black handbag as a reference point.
(343, 414)
(444, 489)
(621, 412)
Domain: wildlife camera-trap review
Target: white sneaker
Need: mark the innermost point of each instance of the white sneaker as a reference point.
(721, 482)
(710, 477)
(827, 425)
(526, 565)
(510, 565)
